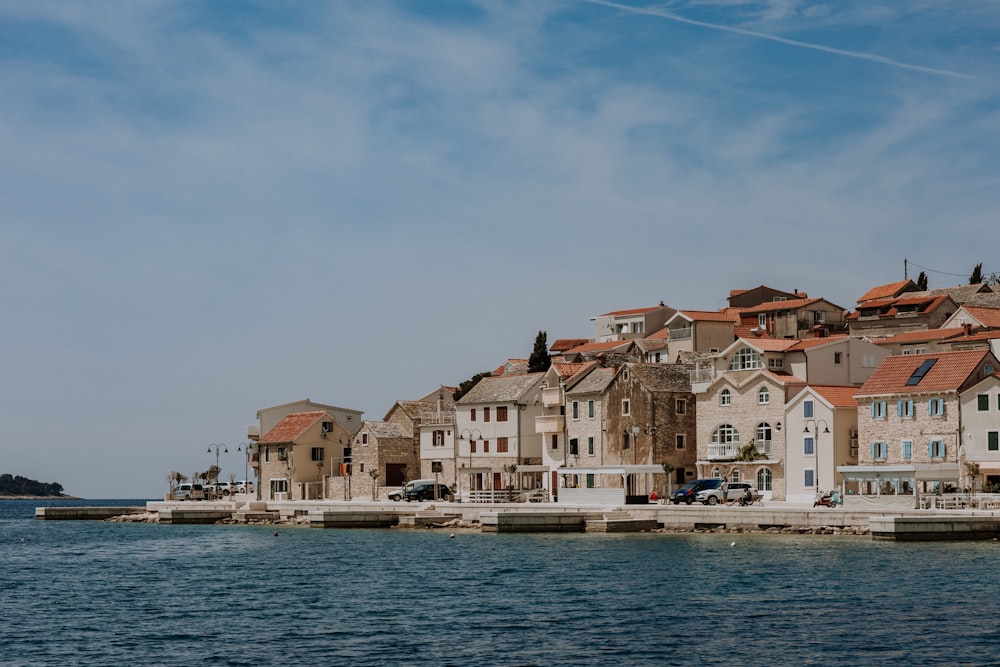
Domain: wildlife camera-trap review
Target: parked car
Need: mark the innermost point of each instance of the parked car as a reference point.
(223, 488)
(734, 491)
(188, 492)
(397, 494)
(688, 492)
(428, 491)
(244, 486)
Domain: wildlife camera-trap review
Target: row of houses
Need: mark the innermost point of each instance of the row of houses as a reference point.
(896, 397)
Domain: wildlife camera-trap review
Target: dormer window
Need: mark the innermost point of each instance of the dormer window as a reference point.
(763, 396)
(745, 359)
(726, 397)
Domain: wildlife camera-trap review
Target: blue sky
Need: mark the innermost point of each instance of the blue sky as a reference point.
(213, 207)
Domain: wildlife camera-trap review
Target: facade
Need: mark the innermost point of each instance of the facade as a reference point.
(799, 318)
(822, 427)
(834, 360)
(498, 447)
(268, 418)
(629, 324)
(385, 455)
(909, 424)
(748, 298)
(551, 424)
(890, 316)
(298, 458)
(700, 331)
(980, 410)
(586, 407)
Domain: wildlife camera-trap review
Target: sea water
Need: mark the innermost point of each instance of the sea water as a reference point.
(100, 593)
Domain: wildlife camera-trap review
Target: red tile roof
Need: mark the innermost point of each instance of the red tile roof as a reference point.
(662, 334)
(711, 315)
(806, 343)
(920, 336)
(563, 344)
(291, 427)
(949, 372)
(884, 291)
(769, 306)
(604, 346)
(837, 395)
(990, 317)
(567, 371)
(634, 311)
(770, 344)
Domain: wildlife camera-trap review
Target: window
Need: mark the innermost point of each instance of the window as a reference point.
(725, 434)
(983, 402)
(716, 473)
(907, 449)
(282, 454)
(590, 409)
(878, 409)
(679, 441)
(763, 440)
(838, 358)
(921, 371)
(364, 439)
(808, 447)
(486, 414)
(437, 439)
(590, 445)
(726, 397)
(590, 480)
(574, 447)
(625, 442)
(775, 363)
(436, 466)
(472, 414)
(625, 407)
(807, 409)
(502, 445)
(764, 479)
(762, 321)
(472, 446)
(680, 406)
(317, 454)
(904, 408)
(555, 441)
(868, 361)
(576, 409)
(809, 479)
(936, 449)
(745, 359)
(486, 446)
(734, 476)
(267, 454)
(501, 413)
(763, 396)
(993, 441)
(935, 407)
(879, 450)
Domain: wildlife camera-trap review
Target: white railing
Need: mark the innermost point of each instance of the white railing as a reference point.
(722, 451)
(702, 375)
(443, 416)
(680, 334)
(552, 397)
(549, 424)
(763, 446)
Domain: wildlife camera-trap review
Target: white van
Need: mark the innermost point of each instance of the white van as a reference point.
(188, 492)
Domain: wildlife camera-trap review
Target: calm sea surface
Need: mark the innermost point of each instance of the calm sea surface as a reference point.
(95, 593)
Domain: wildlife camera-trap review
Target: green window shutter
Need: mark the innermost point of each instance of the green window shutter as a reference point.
(994, 441)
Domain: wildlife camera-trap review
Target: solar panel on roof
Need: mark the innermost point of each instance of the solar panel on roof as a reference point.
(919, 374)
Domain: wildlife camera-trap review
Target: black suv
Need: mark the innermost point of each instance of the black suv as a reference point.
(425, 491)
(688, 492)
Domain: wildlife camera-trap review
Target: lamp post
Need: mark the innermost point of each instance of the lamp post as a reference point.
(217, 448)
(245, 448)
(826, 429)
(471, 436)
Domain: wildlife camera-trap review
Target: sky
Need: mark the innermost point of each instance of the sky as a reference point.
(208, 208)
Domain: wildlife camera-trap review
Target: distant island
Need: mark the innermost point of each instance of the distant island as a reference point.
(12, 486)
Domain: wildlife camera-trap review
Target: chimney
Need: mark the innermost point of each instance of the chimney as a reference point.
(968, 328)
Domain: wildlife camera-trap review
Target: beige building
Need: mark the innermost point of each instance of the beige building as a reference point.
(299, 454)
(980, 409)
(822, 433)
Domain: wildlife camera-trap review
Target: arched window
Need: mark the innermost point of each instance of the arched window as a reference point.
(716, 474)
(764, 479)
(763, 396)
(763, 440)
(726, 397)
(725, 434)
(745, 359)
(734, 476)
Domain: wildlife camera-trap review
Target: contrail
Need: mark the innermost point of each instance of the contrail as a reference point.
(783, 40)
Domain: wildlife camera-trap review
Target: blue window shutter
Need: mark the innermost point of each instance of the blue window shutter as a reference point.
(899, 407)
(930, 448)
(873, 409)
(930, 407)
(874, 454)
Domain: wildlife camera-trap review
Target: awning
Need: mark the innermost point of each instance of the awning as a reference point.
(919, 472)
(611, 470)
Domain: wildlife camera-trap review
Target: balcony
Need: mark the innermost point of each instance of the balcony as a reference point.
(549, 424)
(683, 333)
(552, 397)
(723, 451)
(253, 431)
(437, 416)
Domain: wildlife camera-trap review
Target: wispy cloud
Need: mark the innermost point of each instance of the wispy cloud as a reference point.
(861, 55)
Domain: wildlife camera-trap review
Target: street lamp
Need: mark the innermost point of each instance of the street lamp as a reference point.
(826, 429)
(471, 436)
(216, 447)
(245, 448)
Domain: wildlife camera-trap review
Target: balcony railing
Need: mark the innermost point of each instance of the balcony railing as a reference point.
(723, 451)
(702, 375)
(763, 446)
(552, 397)
(680, 334)
(549, 424)
(437, 416)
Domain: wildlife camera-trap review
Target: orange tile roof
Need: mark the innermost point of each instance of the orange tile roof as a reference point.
(768, 306)
(604, 346)
(947, 374)
(291, 427)
(711, 315)
(563, 344)
(982, 335)
(770, 344)
(568, 370)
(920, 336)
(990, 317)
(662, 334)
(837, 395)
(884, 291)
(634, 311)
(813, 342)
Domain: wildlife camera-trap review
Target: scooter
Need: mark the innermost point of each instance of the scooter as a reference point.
(828, 499)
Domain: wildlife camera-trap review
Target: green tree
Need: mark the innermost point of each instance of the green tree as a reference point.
(922, 282)
(977, 275)
(466, 386)
(539, 361)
